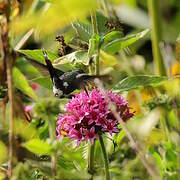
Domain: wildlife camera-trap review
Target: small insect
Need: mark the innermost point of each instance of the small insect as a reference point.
(64, 83)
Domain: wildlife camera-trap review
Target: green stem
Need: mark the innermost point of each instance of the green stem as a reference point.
(95, 31)
(106, 163)
(91, 160)
(52, 137)
(94, 22)
(154, 11)
(97, 63)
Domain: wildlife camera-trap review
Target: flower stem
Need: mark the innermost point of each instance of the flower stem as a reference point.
(91, 160)
(159, 67)
(106, 162)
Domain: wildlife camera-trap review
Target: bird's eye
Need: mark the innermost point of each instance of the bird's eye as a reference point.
(56, 94)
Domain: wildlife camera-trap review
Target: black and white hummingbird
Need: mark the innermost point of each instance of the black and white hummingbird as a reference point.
(64, 83)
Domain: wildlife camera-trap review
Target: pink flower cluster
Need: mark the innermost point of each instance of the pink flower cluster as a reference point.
(87, 114)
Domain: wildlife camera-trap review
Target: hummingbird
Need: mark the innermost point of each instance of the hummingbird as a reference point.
(64, 83)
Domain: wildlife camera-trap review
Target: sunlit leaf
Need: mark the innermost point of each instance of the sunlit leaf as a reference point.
(37, 55)
(155, 137)
(3, 152)
(134, 82)
(21, 83)
(93, 45)
(38, 146)
(73, 58)
(55, 15)
(2, 176)
(118, 44)
(128, 2)
(107, 60)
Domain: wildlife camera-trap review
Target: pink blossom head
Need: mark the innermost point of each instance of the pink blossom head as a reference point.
(86, 114)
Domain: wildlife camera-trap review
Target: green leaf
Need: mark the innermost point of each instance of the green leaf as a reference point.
(26, 68)
(101, 21)
(111, 36)
(118, 44)
(65, 163)
(120, 136)
(93, 45)
(155, 137)
(74, 58)
(107, 60)
(83, 31)
(3, 152)
(158, 159)
(134, 82)
(21, 83)
(38, 147)
(28, 132)
(173, 119)
(38, 55)
(58, 14)
(43, 81)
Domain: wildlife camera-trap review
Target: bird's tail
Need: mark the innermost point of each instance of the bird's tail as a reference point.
(49, 65)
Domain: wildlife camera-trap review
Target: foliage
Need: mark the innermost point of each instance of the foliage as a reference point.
(120, 47)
